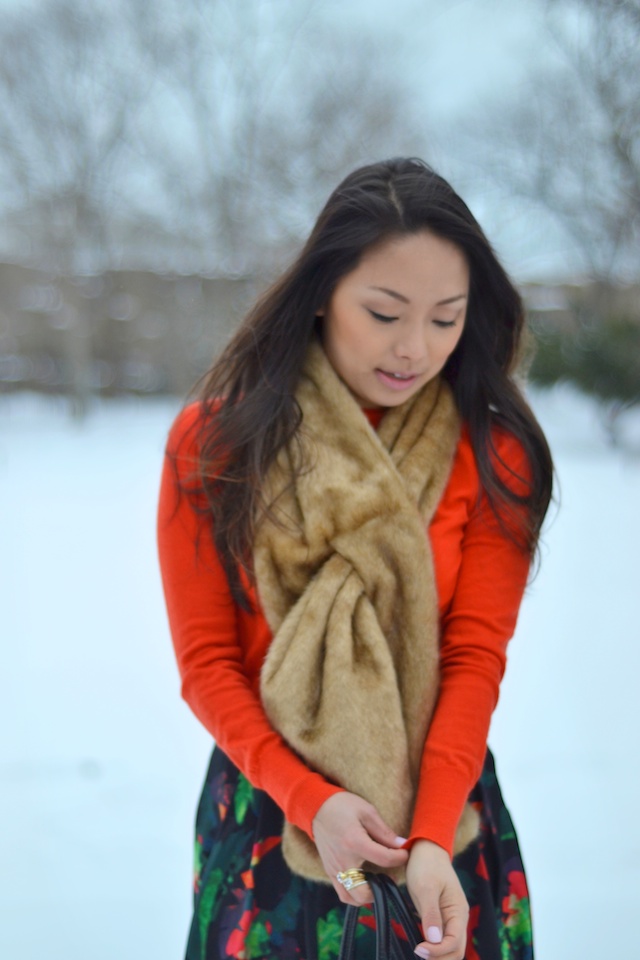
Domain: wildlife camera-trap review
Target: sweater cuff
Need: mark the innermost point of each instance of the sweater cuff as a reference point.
(439, 804)
(306, 798)
(297, 790)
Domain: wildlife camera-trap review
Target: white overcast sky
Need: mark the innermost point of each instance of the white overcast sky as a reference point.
(457, 51)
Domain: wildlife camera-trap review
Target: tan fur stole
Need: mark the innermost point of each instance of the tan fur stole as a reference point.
(347, 586)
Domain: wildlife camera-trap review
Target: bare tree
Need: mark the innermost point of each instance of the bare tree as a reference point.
(69, 87)
(271, 105)
(198, 133)
(68, 94)
(194, 135)
(568, 139)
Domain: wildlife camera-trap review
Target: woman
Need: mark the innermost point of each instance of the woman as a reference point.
(346, 522)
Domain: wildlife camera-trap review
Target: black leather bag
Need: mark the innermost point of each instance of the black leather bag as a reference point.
(388, 904)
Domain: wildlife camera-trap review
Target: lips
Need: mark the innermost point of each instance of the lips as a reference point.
(399, 381)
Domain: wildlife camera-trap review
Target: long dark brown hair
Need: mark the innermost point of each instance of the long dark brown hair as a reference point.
(247, 403)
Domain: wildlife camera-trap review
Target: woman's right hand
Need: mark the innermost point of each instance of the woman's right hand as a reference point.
(347, 831)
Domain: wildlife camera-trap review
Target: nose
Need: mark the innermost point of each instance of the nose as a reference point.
(412, 342)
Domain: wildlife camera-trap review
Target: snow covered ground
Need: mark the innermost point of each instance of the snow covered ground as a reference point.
(101, 763)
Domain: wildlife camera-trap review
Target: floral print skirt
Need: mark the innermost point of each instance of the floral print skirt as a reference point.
(248, 905)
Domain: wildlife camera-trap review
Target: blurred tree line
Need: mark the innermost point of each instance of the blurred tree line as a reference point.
(201, 136)
(180, 137)
(566, 142)
(183, 134)
(602, 360)
(598, 352)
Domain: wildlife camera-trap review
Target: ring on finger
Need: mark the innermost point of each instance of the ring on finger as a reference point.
(358, 883)
(350, 879)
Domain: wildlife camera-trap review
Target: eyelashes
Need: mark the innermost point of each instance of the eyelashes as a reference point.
(383, 318)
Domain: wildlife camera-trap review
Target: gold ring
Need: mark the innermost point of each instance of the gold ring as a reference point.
(356, 883)
(350, 879)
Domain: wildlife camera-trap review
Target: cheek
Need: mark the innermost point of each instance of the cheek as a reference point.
(369, 344)
(341, 343)
(451, 346)
(352, 338)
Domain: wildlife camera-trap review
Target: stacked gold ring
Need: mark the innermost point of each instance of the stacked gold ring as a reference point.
(350, 879)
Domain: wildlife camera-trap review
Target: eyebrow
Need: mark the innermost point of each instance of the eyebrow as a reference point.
(459, 296)
(403, 299)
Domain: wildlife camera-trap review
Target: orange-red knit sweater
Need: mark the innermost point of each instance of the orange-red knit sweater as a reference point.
(480, 576)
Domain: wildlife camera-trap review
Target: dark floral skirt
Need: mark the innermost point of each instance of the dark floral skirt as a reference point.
(248, 905)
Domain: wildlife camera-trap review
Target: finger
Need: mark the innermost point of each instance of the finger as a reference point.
(382, 856)
(455, 930)
(362, 894)
(342, 894)
(442, 946)
(432, 923)
(350, 897)
(357, 895)
(381, 831)
(368, 849)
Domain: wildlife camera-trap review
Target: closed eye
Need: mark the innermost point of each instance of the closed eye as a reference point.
(382, 317)
(444, 323)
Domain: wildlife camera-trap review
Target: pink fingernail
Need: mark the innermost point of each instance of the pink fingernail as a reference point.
(422, 952)
(434, 935)
(400, 841)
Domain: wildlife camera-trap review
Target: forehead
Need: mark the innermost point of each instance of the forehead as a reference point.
(414, 265)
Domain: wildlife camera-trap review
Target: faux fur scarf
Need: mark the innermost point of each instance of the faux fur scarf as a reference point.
(347, 585)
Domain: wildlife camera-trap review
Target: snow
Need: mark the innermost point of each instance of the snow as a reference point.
(101, 762)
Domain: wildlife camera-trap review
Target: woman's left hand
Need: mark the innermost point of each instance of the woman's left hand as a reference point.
(347, 831)
(439, 899)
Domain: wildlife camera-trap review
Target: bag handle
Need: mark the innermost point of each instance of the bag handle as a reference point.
(388, 901)
(403, 913)
(383, 926)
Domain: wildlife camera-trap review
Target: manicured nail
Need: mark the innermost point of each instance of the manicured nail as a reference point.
(434, 934)
(400, 841)
(422, 952)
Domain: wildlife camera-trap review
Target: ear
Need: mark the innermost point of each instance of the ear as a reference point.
(320, 312)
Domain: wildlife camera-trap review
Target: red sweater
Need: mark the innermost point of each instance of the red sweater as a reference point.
(220, 648)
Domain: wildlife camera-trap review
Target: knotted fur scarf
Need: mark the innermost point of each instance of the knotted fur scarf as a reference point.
(346, 581)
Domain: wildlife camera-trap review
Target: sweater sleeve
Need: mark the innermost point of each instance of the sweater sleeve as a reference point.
(204, 625)
(475, 631)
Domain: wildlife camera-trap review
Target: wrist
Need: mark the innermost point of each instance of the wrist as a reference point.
(323, 807)
(423, 846)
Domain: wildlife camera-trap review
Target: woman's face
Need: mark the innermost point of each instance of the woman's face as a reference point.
(391, 323)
